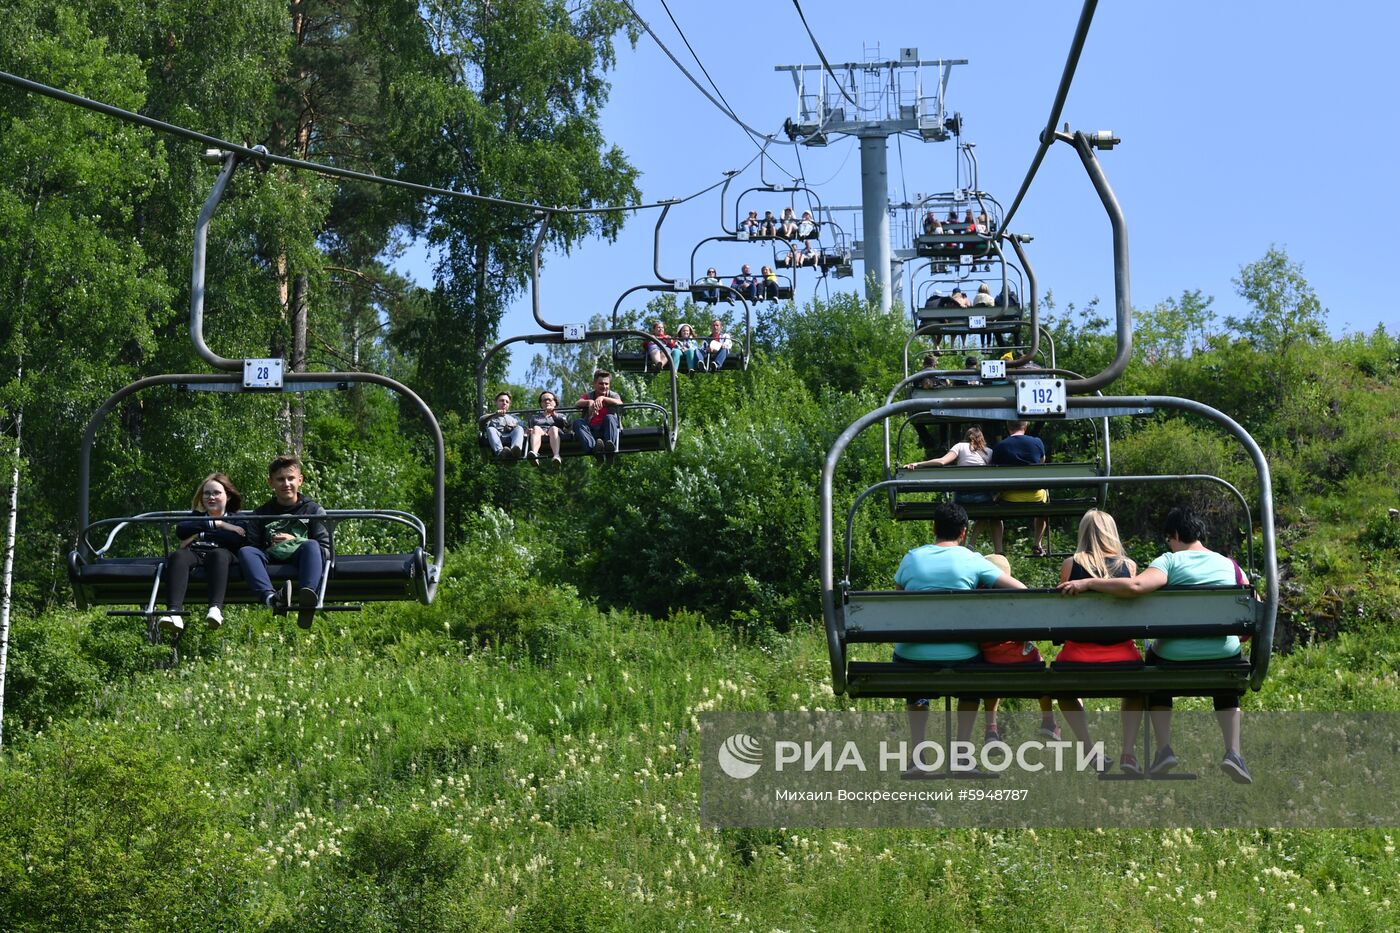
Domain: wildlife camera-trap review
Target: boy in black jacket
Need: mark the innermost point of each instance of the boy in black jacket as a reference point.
(295, 539)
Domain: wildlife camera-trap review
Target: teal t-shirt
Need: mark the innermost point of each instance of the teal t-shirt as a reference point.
(935, 567)
(1196, 568)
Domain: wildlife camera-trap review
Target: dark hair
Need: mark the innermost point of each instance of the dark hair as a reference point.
(1019, 426)
(949, 521)
(539, 399)
(235, 498)
(281, 463)
(970, 362)
(601, 374)
(499, 394)
(930, 360)
(1183, 522)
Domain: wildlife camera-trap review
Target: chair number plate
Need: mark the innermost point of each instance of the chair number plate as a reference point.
(1040, 396)
(262, 374)
(573, 333)
(977, 322)
(994, 369)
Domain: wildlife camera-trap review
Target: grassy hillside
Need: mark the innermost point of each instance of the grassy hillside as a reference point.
(513, 758)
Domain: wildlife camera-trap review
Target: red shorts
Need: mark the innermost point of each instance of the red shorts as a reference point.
(1008, 652)
(1087, 652)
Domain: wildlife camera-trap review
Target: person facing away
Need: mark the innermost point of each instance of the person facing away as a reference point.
(983, 298)
(208, 540)
(1021, 449)
(503, 431)
(548, 422)
(1098, 553)
(1187, 562)
(599, 425)
(945, 565)
(745, 283)
(291, 537)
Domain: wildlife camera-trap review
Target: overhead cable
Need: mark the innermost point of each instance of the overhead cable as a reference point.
(261, 155)
(703, 70)
(1047, 135)
(822, 55)
(698, 86)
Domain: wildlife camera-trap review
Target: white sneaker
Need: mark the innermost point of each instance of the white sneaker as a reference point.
(215, 617)
(172, 624)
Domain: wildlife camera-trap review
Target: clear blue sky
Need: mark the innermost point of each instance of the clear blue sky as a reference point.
(1244, 124)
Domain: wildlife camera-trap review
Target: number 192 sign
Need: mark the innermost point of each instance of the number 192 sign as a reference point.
(1040, 396)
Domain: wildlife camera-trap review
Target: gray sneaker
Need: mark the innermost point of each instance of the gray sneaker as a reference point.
(1164, 762)
(1233, 766)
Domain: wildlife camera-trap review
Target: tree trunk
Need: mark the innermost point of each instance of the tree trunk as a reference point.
(7, 574)
(300, 286)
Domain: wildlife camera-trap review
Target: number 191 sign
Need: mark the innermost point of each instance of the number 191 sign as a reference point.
(1040, 396)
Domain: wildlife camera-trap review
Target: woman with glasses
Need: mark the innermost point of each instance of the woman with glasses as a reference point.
(210, 539)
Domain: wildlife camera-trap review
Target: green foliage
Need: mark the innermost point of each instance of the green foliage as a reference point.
(95, 837)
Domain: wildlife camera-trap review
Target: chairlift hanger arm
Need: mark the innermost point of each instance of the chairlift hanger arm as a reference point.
(1123, 309)
(831, 612)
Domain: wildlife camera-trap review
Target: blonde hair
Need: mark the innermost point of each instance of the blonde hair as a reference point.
(1099, 551)
(974, 438)
(1000, 563)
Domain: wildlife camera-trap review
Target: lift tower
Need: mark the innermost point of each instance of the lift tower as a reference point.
(872, 101)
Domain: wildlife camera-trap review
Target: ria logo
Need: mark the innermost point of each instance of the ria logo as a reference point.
(740, 755)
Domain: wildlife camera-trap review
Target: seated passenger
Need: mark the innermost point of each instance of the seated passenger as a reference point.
(1188, 562)
(945, 565)
(715, 348)
(960, 300)
(806, 229)
(971, 451)
(984, 223)
(293, 539)
(1099, 553)
(983, 298)
(750, 225)
(1006, 298)
(710, 292)
(548, 422)
(769, 225)
(662, 349)
(208, 539)
(745, 284)
(1021, 449)
(504, 432)
(688, 348)
(1018, 652)
(931, 224)
(793, 258)
(969, 224)
(788, 229)
(599, 425)
(770, 283)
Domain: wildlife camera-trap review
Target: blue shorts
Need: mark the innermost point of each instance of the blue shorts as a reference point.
(922, 702)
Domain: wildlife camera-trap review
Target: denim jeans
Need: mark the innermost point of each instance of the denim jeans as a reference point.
(254, 562)
(718, 357)
(609, 430)
(493, 438)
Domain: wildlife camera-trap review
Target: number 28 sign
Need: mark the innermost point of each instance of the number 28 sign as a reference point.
(1040, 396)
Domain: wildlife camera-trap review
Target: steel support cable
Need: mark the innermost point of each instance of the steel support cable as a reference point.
(698, 86)
(1047, 135)
(261, 156)
(825, 64)
(705, 71)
